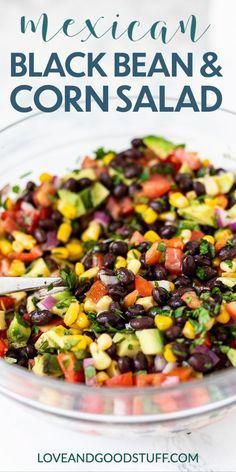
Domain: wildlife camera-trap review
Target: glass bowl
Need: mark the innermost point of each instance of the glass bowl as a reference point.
(55, 142)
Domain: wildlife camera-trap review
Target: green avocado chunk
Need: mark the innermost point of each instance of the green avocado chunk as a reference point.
(47, 364)
(231, 354)
(38, 268)
(201, 214)
(126, 344)
(151, 341)
(18, 332)
(160, 146)
(98, 194)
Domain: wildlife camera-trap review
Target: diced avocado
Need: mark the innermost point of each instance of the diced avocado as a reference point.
(86, 198)
(2, 320)
(231, 354)
(225, 181)
(19, 331)
(58, 338)
(228, 281)
(160, 146)
(126, 344)
(210, 184)
(232, 212)
(82, 174)
(30, 305)
(119, 175)
(185, 169)
(47, 364)
(151, 341)
(38, 268)
(73, 199)
(201, 214)
(98, 194)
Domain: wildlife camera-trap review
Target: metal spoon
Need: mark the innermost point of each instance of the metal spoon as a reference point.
(18, 284)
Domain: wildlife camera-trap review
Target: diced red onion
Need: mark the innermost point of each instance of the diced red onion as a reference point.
(56, 181)
(169, 381)
(205, 350)
(49, 302)
(221, 217)
(51, 241)
(159, 363)
(102, 218)
(169, 367)
(108, 279)
(232, 226)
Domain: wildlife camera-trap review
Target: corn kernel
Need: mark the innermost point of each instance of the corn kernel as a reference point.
(88, 340)
(223, 234)
(188, 330)
(163, 322)
(216, 262)
(60, 252)
(101, 377)
(26, 240)
(133, 254)
(5, 247)
(206, 162)
(101, 359)
(140, 208)
(146, 302)
(89, 306)
(72, 313)
(168, 353)
(223, 317)
(150, 216)
(120, 262)
(75, 250)
(79, 268)
(186, 235)
(17, 268)
(103, 304)
(152, 236)
(83, 321)
(17, 246)
(134, 266)
(9, 204)
(90, 273)
(64, 232)
(209, 238)
(45, 177)
(92, 233)
(104, 341)
(108, 158)
(113, 369)
(168, 216)
(3, 324)
(81, 345)
(178, 200)
(191, 195)
(67, 210)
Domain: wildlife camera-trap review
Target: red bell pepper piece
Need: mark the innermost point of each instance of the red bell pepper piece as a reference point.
(143, 286)
(70, 367)
(122, 380)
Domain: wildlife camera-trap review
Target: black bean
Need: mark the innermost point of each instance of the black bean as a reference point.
(200, 362)
(83, 183)
(119, 248)
(207, 229)
(109, 260)
(111, 351)
(140, 362)
(192, 247)
(104, 247)
(108, 318)
(160, 273)
(181, 320)
(40, 235)
(125, 364)
(126, 231)
(88, 261)
(56, 216)
(90, 334)
(227, 252)
(209, 273)
(132, 171)
(182, 281)
(199, 188)
(202, 260)
(132, 154)
(157, 206)
(144, 246)
(180, 350)
(188, 266)
(120, 190)
(117, 292)
(71, 185)
(173, 332)
(135, 310)
(175, 301)
(106, 180)
(125, 276)
(22, 309)
(40, 317)
(160, 295)
(167, 231)
(137, 142)
(114, 225)
(30, 186)
(143, 322)
(81, 290)
(184, 182)
(134, 188)
(28, 197)
(47, 224)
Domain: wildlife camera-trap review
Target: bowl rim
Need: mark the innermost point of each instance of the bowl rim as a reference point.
(68, 388)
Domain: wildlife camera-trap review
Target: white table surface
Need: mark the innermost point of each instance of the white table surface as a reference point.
(22, 434)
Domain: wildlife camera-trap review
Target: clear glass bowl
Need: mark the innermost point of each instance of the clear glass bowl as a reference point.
(54, 143)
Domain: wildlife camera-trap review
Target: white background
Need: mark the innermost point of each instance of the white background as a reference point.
(23, 433)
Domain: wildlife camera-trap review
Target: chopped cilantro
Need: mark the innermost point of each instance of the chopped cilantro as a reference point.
(161, 247)
(145, 175)
(26, 174)
(200, 273)
(68, 276)
(101, 152)
(16, 188)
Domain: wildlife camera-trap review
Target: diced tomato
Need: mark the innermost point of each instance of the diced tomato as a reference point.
(144, 380)
(143, 286)
(126, 206)
(196, 235)
(153, 255)
(222, 201)
(69, 365)
(8, 222)
(173, 260)
(191, 299)
(43, 195)
(183, 373)
(26, 256)
(221, 243)
(155, 187)
(231, 309)
(174, 242)
(113, 208)
(131, 298)
(190, 158)
(97, 291)
(122, 380)
(89, 163)
(6, 303)
(137, 238)
(3, 348)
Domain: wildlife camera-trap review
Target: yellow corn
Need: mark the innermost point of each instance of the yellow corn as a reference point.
(186, 235)
(188, 330)
(26, 240)
(178, 200)
(9, 204)
(108, 158)
(88, 340)
(168, 353)
(223, 317)
(216, 262)
(101, 359)
(72, 313)
(82, 343)
(103, 304)
(83, 321)
(101, 377)
(92, 233)
(206, 162)
(191, 195)
(120, 262)
(90, 273)
(209, 238)
(64, 232)
(146, 302)
(163, 322)
(151, 236)
(67, 210)
(140, 208)
(113, 369)
(5, 247)
(79, 268)
(223, 234)
(3, 324)
(168, 216)
(45, 177)
(89, 306)
(134, 266)
(104, 341)
(17, 246)
(60, 252)
(133, 254)
(75, 250)
(17, 268)
(150, 216)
